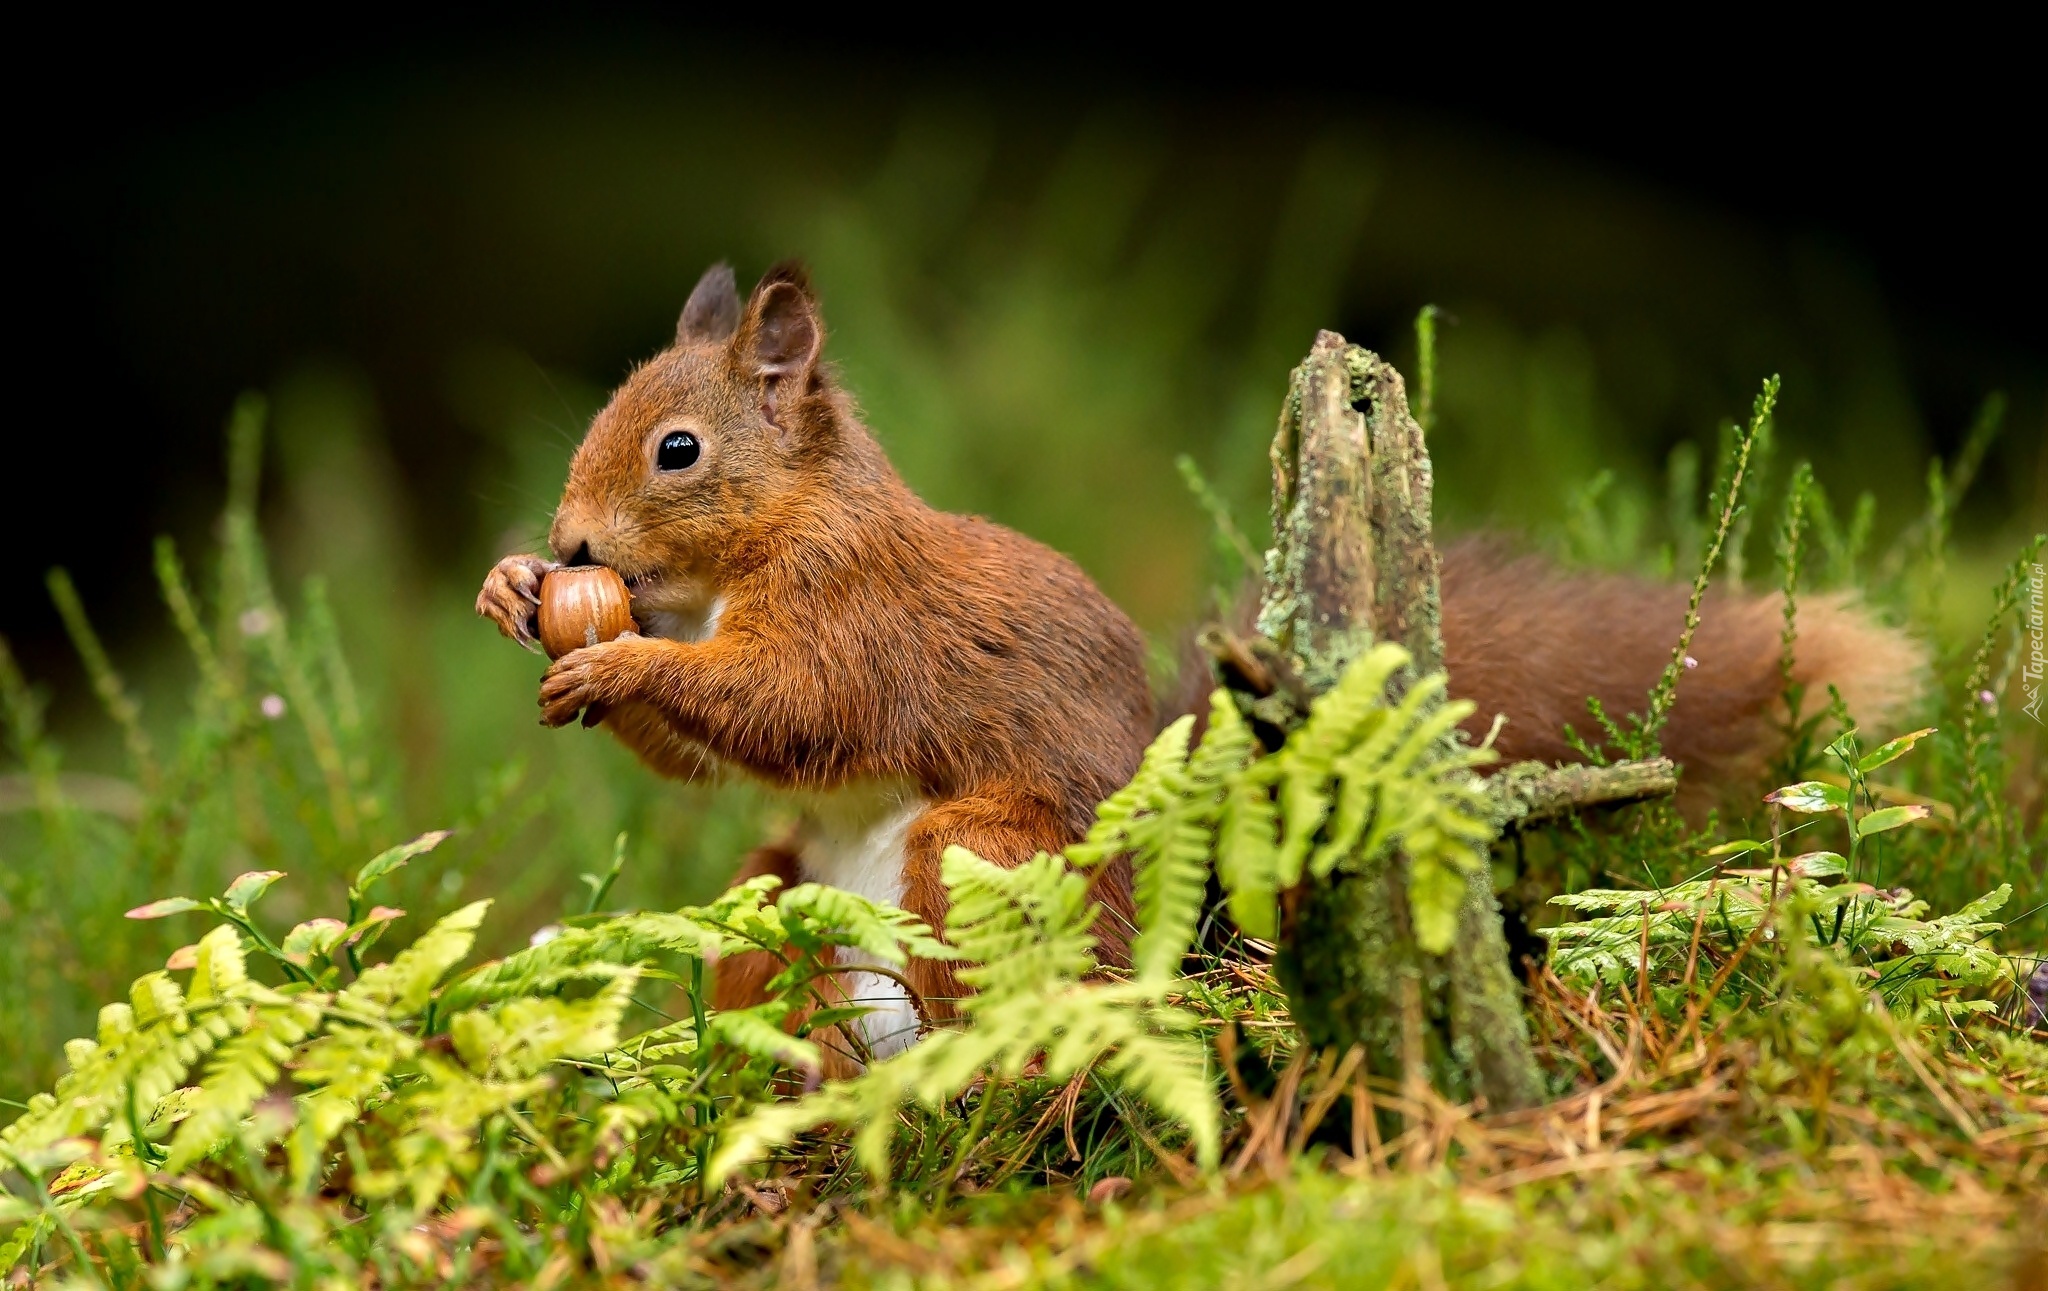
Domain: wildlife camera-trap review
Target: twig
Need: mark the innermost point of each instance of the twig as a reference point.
(1529, 793)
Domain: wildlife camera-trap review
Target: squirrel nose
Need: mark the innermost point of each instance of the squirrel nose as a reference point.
(571, 543)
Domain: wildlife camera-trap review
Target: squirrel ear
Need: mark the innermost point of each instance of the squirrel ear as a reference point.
(781, 336)
(713, 311)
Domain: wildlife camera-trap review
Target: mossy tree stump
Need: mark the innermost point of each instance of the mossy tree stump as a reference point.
(1352, 563)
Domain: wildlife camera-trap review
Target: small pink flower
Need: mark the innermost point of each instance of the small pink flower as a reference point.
(1691, 662)
(272, 706)
(1986, 698)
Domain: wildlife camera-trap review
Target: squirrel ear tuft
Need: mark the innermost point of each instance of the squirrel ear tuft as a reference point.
(782, 334)
(713, 311)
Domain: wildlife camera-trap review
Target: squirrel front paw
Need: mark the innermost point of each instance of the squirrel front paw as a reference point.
(511, 598)
(592, 679)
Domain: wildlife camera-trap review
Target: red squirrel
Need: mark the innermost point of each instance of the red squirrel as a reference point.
(915, 679)
(918, 679)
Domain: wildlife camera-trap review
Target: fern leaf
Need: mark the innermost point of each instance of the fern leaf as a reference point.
(1171, 881)
(520, 1038)
(758, 1031)
(1171, 867)
(1173, 1076)
(1227, 745)
(778, 1124)
(221, 969)
(596, 949)
(1109, 835)
(664, 1043)
(343, 1069)
(145, 1050)
(440, 1114)
(154, 997)
(1436, 893)
(401, 987)
(1248, 856)
(1022, 927)
(1026, 929)
(853, 917)
(240, 1071)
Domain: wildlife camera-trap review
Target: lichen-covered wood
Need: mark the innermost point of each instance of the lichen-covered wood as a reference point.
(1530, 793)
(1353, 563)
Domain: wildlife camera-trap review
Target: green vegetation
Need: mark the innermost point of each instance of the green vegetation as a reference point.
(1769, 1062)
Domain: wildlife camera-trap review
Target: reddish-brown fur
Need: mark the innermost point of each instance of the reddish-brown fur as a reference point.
(1524, 639)
(864, 636)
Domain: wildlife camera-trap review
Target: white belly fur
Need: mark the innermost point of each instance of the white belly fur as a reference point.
(693, 621)
(854, 840)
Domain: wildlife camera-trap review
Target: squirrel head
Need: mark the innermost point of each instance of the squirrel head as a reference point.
(708, 441)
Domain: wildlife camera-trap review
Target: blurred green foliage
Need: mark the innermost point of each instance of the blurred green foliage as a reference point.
(1037, 315)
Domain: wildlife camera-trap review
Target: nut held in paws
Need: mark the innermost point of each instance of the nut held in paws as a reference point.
(582, 606)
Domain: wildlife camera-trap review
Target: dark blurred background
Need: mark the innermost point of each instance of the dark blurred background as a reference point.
(1050, 263)
(1048, 272)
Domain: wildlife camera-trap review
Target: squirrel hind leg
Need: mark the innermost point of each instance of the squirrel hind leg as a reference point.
(1005, 825)
(741, 981)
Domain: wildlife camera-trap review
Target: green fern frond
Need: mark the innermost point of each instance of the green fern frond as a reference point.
(1357, 779)
(1149, 1048)
(1247, 855)
(1021, 928)
(778, 1124)
(1171, 884)
(1952, 946)
(1171, 1074)
(520, 1038)
(579, 952)
(1172, 847)
(402, 986)
(343, 1070)
(1340, 718)
(809, 916)
(144, 1050)
(1158, 774)
(833, 916)
(1911, 956)
(1026, 932)
(1247, 831)
(439, 1116)
(239, 1073)
(221, 969)
(758, 1031)
(1609, 948)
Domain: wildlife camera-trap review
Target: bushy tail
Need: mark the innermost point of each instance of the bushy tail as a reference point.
(1533, 642)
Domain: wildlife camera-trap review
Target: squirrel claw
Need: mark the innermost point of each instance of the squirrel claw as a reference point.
(576, 685)
(510, 597)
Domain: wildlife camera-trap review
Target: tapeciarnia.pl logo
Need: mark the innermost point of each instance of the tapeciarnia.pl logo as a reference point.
(2030, 676)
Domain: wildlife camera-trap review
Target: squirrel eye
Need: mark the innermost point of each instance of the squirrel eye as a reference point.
(679, 448)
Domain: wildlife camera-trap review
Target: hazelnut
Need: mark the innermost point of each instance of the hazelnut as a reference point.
(582, 606)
